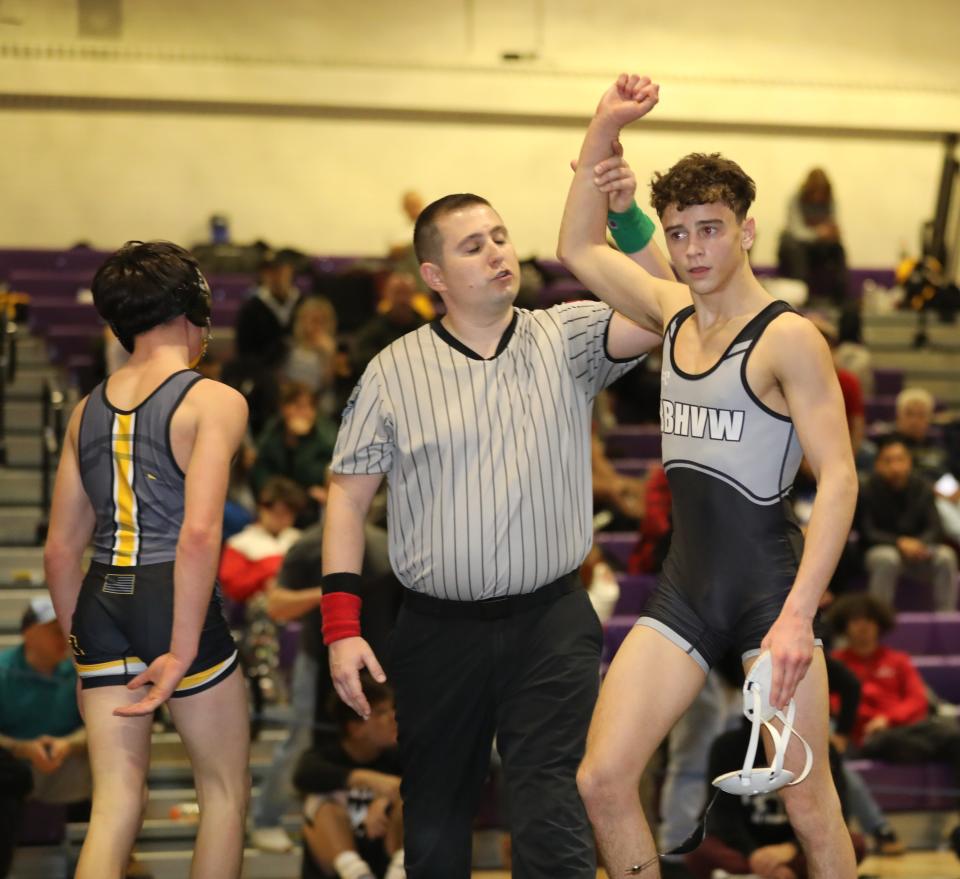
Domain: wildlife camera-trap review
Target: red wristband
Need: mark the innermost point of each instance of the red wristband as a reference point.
(341, 616)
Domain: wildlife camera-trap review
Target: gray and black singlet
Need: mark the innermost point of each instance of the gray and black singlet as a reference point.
(124, 614)
(730, 462)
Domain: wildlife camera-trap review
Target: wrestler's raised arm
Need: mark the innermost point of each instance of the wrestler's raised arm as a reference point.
(616, 279)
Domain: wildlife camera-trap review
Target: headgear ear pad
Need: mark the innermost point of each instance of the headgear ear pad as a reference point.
(758, 710)
(145, 284)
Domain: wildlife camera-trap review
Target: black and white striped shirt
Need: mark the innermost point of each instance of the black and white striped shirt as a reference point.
(487, 461)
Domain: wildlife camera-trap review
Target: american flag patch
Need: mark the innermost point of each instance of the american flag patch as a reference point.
(119, 584)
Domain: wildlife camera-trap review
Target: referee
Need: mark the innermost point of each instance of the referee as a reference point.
(481, 423)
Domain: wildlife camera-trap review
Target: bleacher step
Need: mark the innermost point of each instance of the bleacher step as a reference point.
(13, 601)
(25, 450)
(21, 565)
(880, 335)
(18, 525)
(916, 359)
(19, 487)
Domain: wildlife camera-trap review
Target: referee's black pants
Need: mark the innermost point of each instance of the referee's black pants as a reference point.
(530, 675)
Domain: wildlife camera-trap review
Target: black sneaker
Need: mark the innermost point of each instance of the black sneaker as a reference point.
(887, 841)
(955, 840)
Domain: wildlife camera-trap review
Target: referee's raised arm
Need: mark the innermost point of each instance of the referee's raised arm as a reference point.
(343, 540)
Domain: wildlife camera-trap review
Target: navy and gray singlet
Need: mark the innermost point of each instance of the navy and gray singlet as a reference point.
(730, 462)
(124, 614)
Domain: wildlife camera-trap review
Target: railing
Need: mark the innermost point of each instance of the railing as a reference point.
(52, 402)
(8, 363)
(10, 303)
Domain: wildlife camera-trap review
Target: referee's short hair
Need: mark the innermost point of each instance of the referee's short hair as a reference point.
(427, 241)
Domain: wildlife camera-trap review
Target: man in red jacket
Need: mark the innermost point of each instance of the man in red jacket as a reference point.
(893, 719)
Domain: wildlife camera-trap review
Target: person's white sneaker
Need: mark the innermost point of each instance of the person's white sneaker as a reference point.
(271, 839)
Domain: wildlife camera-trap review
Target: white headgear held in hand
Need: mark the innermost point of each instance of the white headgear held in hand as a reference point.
(757, 709)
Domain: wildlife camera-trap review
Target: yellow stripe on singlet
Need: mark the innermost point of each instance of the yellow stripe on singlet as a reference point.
(126, 537)
(201, 677)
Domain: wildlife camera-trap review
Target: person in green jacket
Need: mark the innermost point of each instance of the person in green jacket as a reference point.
(298, 444)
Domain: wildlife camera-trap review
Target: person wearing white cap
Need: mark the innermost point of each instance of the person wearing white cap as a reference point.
(43, 743)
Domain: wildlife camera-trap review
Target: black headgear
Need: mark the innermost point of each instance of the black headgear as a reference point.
(145, 284)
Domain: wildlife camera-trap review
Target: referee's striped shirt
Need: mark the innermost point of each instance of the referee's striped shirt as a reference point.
(487, 461)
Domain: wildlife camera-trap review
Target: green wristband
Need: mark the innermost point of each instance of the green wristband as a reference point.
(632, 230)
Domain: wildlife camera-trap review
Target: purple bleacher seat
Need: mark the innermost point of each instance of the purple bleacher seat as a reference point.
(635, 592)
(34, 259)
(230, 287)
(635, 466)
(62, 285)
(887, 382)
(879, 409)
(616, 629)
(224, 312)
(941, 674)
(63, 342)
(909, 787)
(562, 290)
(331, 265)
(45, 311)
(553, 268)
(617, 545)
(634, 441)
(856, 278)
(288, 636)
(913, 633)
(926, 633)
(945, 634)
(914, 595)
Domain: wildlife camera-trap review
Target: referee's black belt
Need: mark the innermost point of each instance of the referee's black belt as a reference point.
(491, 608)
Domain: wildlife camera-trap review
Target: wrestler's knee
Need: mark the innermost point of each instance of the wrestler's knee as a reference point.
(812, 805)
(602, 781)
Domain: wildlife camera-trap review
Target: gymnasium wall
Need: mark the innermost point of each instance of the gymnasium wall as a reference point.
(304, 121)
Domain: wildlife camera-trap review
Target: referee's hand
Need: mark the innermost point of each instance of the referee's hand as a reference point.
(347, 657)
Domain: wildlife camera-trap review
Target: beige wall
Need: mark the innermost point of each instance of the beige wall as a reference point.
(303, 121)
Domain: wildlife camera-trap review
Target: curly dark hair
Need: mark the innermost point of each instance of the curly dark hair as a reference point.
(703, 179)
(858, 606)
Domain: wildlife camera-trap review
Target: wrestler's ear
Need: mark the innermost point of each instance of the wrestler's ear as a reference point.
(432, 276)
(748, 233)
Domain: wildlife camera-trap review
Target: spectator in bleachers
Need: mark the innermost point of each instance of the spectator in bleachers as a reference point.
(298, 443)
(850, 386)
(353, 814)
(914, 418)
(859, 802)
(751, 834)
(241, 504)
(655, 530)
(252, 558)
(901, 529)
(312, 360)
(621, 496)
(262, 340)
(295, 595)
(810, 247)
(396, 315)
(401, 255)
(851, 353)
(915, 407)
(894, 722)
(265, 321)
(43, 743)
